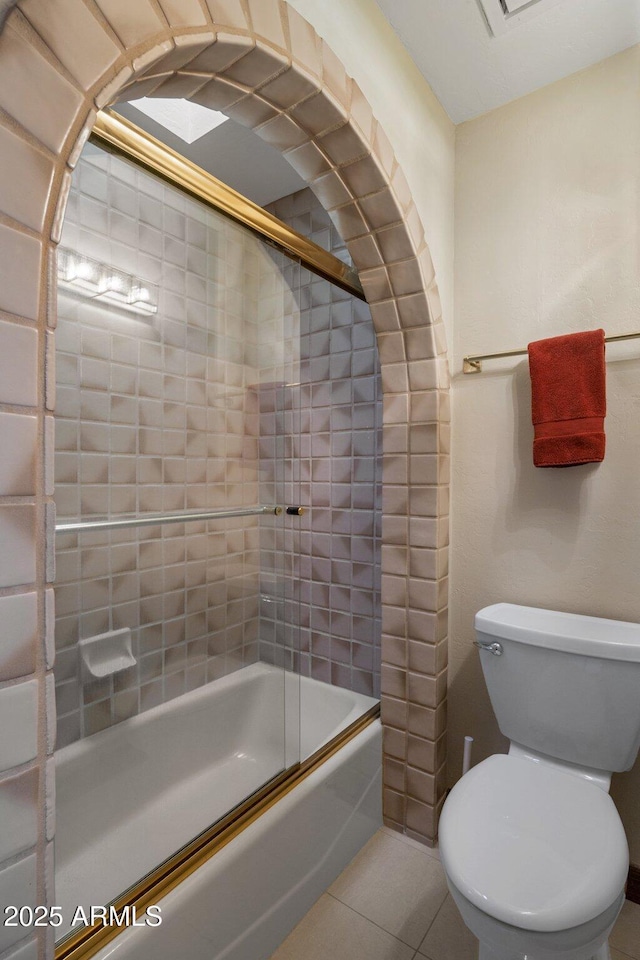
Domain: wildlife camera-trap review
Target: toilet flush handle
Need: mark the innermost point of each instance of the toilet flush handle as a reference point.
(495, 648)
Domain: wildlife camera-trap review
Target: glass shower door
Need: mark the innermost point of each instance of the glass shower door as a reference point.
(175, 613)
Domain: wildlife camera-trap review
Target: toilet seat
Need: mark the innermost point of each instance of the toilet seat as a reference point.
(532, 845)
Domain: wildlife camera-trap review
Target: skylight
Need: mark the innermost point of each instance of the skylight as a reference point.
(187, 120)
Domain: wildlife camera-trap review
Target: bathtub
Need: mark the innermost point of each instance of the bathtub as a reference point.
(130, 796)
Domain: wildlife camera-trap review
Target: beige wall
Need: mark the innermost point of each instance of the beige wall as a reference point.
(547, 242)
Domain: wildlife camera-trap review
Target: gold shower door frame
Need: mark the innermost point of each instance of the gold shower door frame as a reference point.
(125, 138)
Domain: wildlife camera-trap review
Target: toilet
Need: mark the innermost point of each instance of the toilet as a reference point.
(533, 848)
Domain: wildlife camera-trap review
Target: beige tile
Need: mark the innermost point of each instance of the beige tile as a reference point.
(391, 347)
(331, 929)
(18, 433)
(331, 191)
(626, 933)
(186, 49)
(218, 95)
(282, 133)
(421, 819)
(365, 254)
(381, 209)
(251, 111)
(448, 938)
(18, 361)
(375, 282)
(227, 12)
(406, 279)
(308, 161)
(26, 180)
(265, 16)
(19, 617)
(132, 22)
(148, 62)
(319, 113)
(183, 13)
(365, 177)
(289, 88)
(397, 887)
(344, 145)
(49, 115)
(394, 805)
(256, 67)
(305, 43)
(361, 112)
(19, 812)
(334, 76)
(616, 955)
(220, 55)
(75, 37)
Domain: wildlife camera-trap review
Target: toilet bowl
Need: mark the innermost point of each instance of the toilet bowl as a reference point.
(500, 941)
(531, 843)
(536, 859)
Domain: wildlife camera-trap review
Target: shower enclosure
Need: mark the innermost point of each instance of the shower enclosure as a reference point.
(217, 491)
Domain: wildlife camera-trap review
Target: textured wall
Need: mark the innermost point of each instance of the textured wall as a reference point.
(548, 193)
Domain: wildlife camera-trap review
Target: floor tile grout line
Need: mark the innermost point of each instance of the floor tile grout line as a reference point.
(399, 939)
(437, 913)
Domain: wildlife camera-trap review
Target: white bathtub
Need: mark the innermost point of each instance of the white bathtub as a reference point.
(130, 796)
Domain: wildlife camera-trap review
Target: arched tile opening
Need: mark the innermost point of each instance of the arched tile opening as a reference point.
(265, 66)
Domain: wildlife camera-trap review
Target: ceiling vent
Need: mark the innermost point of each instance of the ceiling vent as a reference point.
(503, 15)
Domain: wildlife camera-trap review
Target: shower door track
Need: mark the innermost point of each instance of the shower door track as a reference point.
(85, 942)
(117, 134)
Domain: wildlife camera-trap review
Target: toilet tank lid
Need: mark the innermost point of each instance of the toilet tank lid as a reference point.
(565, 632)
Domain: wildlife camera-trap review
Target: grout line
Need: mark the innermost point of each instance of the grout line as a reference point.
(388, 932)
(437, 914)
(373, 922)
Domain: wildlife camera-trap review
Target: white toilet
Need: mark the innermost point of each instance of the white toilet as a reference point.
(532, 845)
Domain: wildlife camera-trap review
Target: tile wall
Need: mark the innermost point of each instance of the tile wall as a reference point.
(270, 393)
(157, 416)
(333, 466)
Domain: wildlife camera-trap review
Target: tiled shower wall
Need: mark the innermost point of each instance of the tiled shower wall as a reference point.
(268, 394)
(332, 465)
(157, 416)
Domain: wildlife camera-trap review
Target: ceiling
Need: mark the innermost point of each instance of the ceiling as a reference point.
(470, 70)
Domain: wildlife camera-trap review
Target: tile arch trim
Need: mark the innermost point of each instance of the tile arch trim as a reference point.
(273, 73)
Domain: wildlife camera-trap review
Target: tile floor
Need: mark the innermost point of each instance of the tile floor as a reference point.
(391, 903)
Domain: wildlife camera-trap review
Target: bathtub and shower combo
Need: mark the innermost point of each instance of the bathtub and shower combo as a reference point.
(217, 609)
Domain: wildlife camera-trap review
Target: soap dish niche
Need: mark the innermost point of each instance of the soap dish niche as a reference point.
(105, 654)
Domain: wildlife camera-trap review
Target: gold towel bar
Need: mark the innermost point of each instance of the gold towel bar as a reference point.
(474, 364)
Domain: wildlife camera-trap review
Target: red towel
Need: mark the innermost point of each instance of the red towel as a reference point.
(568, 399)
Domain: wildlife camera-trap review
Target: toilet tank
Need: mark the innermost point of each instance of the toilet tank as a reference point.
(564, 685)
